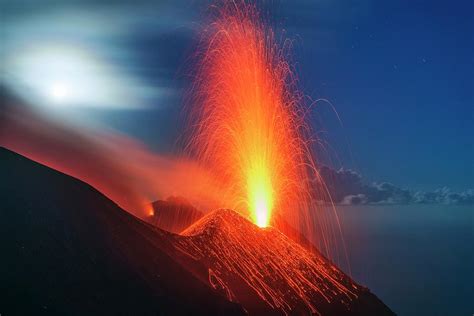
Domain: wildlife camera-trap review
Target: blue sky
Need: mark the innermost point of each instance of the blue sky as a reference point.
(399, 74)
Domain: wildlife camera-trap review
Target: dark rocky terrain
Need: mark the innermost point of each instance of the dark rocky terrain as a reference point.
(69, 250)
(173, 214)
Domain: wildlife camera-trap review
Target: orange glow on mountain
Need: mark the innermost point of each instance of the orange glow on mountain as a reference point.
(278, 272)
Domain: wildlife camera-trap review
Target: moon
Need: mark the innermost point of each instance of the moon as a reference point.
(75, 76)
(59, 92)
(69, 76)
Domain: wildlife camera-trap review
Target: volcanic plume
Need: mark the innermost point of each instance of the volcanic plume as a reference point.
(120, 166)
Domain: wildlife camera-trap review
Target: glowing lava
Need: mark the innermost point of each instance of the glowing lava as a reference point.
(260, 195)
(268, 273)
(249, 127)
(247, 121)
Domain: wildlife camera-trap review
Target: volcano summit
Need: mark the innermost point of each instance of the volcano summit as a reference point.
(265, 271)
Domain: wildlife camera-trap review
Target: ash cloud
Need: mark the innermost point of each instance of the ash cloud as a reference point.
(347, 187)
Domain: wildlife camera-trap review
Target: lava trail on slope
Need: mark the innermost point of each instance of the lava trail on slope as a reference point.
(266, 272)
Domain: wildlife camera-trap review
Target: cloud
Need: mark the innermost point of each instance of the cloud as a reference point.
(354, 199)
(387, 193)
(341, 183)
(445, 196)
(106, 55)
(347, 187)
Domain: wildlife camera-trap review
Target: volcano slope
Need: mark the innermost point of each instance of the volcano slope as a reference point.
(67, 249)
(268, 273)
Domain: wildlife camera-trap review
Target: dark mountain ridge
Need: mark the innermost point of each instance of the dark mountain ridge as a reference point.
(67, 249)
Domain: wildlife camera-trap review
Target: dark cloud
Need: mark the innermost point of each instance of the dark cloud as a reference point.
(341, 183)
(387, 193)
(348, 188)
(354, 199)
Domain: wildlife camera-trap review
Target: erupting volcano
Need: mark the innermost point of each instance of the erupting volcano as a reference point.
(249, 126)
(251, 143)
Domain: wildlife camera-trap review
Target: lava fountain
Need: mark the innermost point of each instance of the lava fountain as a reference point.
(249, 122)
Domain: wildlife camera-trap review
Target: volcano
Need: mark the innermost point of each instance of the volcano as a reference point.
(67, 249)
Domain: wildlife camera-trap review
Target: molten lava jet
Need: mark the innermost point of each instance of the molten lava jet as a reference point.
(247, 117)
(249, 126)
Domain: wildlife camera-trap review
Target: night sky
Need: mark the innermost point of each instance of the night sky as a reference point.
(398, 73)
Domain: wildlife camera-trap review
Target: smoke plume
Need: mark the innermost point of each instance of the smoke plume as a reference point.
(120, 167)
